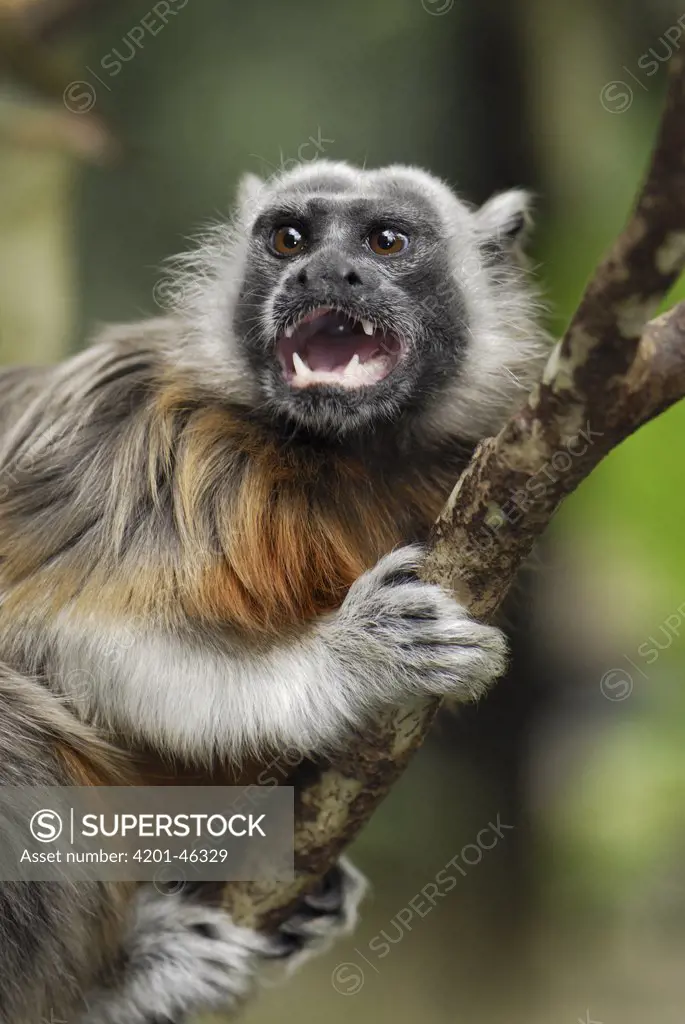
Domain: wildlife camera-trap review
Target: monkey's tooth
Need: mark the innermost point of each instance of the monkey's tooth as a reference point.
(353, 364)
(368, 327)
(289, 331)
(301, 368)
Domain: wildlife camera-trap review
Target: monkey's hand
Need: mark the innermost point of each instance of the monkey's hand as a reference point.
(325, 914)
(400, 636)
(183, 957)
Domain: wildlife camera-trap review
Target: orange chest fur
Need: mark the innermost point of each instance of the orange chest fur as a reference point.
(266, 535)
(297, 529)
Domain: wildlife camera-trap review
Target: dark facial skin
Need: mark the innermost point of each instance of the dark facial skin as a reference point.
(410, 297)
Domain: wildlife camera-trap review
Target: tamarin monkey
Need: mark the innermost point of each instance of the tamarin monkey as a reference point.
(234, 496)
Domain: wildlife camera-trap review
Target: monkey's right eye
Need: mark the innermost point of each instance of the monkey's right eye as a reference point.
(287, 240)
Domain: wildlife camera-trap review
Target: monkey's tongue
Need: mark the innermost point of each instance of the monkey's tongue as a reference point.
(330, 347)
(352, 362)
(328, 354)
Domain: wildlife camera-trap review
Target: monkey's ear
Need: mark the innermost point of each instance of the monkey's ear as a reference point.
(249, 190)
(505, 220)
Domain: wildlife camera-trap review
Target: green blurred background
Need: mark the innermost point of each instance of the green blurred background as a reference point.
(578, 912)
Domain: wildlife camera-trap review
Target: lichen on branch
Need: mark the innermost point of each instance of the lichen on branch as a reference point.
(610, 373)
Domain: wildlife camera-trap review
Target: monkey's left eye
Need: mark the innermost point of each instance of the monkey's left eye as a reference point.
(287, 240)
(387, 242)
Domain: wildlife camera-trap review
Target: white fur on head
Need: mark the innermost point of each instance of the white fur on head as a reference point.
(249, 196)
(506, 346)
(505, 215)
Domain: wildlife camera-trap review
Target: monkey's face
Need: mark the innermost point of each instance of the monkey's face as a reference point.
(350, 311)
(346, 297)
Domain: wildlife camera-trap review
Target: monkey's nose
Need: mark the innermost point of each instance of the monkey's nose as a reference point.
(331, 271)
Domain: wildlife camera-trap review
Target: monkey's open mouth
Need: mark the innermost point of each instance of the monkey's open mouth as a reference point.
(330, 347)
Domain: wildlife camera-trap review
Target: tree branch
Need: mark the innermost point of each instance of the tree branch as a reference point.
(606, 377)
